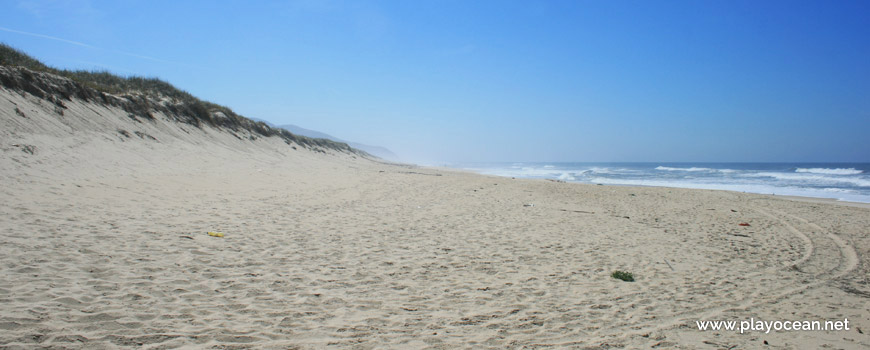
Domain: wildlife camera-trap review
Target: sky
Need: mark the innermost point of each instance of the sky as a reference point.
(439, 81)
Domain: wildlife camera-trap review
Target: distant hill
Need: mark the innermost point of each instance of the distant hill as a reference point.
(377, 151)
(307, 132)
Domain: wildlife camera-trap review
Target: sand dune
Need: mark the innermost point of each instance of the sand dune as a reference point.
(104, 245)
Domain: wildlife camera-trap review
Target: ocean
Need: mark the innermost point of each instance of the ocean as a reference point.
(841, 181)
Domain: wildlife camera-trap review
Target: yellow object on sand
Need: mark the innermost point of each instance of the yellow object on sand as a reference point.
(215, 234)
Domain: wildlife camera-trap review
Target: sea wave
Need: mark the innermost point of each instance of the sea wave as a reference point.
(694, 169)
(829, 171)
(838, 190)
(667, 168)
(812, 178)
(835, 193)
(566, 177)
(520, 171)
(599, 170)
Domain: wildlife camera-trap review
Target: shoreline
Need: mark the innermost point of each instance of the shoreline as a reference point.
(794, 198)
(827, 200)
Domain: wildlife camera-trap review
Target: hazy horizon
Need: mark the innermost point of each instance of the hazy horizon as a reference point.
(494, 81)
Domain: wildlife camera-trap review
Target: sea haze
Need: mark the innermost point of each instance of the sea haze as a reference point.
(842, 181)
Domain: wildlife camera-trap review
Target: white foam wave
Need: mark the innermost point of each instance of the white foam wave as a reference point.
(696, 169)
(515, 171)
(843, 195)
(819, 179)
(546, 171)
(829, 171)
(667, 168)
(838, 190)
(598, 170)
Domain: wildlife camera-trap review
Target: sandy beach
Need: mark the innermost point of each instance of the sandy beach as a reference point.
(104, 245)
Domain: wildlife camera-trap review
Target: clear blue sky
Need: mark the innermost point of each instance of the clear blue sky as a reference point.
(445, 80)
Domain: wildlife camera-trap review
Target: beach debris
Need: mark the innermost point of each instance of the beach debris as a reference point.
(723, 346)
(30, 149)
(733, 211)
(744, 224)
(528, 205)
(185, 237)
(216, 234)
(669, 264)
(578, 211)
(738, 235)
(418, 173)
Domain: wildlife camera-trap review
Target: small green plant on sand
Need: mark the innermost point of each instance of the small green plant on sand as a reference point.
(622, 275)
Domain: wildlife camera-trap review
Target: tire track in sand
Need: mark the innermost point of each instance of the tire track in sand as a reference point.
(847, 262)
(817, 242)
